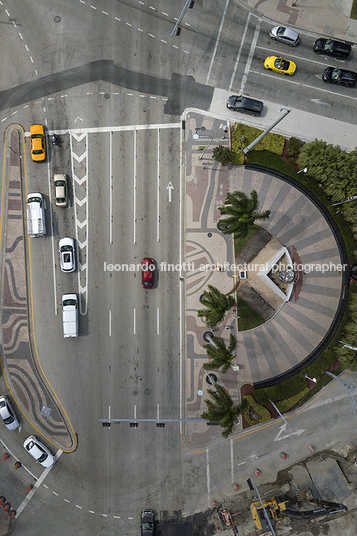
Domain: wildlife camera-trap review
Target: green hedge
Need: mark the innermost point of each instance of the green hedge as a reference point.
(243, 135)
(265, 414)
(285, 405)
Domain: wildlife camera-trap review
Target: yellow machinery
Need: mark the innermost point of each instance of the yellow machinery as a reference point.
(274, 506)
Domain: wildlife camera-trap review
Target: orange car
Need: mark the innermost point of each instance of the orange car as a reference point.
(38, 145)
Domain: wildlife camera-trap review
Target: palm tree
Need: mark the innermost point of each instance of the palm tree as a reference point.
(220, 355)
(221, 409)
(242, 212)
(216, 305)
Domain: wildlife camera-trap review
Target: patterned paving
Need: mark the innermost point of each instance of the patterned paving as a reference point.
(302, 323)
(18, 354)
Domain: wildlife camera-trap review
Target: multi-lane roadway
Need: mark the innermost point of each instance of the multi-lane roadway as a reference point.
(122, 146)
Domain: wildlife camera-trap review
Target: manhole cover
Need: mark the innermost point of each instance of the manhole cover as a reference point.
(107, 95)
(57, 19)
(209, 235)
(147, 391)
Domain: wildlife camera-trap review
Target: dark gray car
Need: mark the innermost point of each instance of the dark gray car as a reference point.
(147, 523)
(330, 47)
(245, 105)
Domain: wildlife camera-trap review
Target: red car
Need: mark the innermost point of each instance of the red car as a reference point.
(147, 272)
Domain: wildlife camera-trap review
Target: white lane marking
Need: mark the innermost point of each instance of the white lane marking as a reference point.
(242, 41)
(282, 429)
(250, 57)
(36, 485)
(15, 458)
(80, 507)
(217, 41)
(52, 239)
(110, 323)
(158, 321)
(66, 500)
(241, 463)
(54, 493)
(299, 58)
(170, 187)
(208, 477)
(111, 188)
(304, 85)
(81, 132)
(109, 408)
(134, 321)
(134, 412)
(158, 411)
(232, 461)
(181, 335)
(158, 188)
(135, 171)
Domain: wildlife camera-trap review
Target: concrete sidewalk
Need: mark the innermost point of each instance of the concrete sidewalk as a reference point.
(304, 125)
(325, 17)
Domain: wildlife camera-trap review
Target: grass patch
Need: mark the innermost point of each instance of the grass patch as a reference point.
(261, 410)
(243, 135)
(248, 318)
(285, 405)
(240, 243)
(354, 10)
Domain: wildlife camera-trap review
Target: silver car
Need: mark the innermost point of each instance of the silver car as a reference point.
(285, 35)
(38, 451)
(67, 255)
(7, 414)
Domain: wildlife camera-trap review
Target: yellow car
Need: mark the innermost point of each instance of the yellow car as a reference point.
(279, 65)
(38, 145)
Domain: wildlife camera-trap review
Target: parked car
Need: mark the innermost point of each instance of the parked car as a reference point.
(335, 75)
(7, 414)
(38, 451)
(147, 523)
(67, 255)
(279, 65)
(38, 144)
(61, 195)
(284, 35)
(147, 272)
(330, 47)
(246, 105)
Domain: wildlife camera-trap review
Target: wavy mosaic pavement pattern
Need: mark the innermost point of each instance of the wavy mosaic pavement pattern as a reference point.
(25, 382)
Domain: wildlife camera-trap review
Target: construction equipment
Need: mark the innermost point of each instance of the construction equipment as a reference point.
(274, 506)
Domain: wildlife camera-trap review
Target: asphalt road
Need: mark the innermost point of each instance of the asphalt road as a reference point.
(102, 67)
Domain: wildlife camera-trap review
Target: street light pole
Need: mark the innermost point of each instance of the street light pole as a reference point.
(349, 387)
(197, 137)
(266, 131)
(266, 515)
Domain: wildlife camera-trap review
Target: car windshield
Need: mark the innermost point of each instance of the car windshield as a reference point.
(9, 420)
(148, 526)
(43, 456)
(281, 64)
(69, 302)
(280, 31)
(60, 183)
(36, 136)
(336, 74)
(66, 248)
(34, 200)
(329, 45)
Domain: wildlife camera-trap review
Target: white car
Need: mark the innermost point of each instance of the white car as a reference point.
(38, 451)
(285, 35)
(67, 255)
(61, 192)
(7, 414)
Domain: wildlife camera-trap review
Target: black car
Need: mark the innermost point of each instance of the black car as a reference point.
(147, 523)
(330, 47)
(335, 75)
(238, 103)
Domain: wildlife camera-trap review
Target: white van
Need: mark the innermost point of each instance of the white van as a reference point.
(36, 223)
(70, 315)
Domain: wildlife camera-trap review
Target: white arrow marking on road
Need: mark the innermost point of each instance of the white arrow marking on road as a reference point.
(77, 118)
(282, 429)
(169, 187)
(318, 101)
